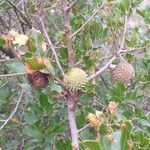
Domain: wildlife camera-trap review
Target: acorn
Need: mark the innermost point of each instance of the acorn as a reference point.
(75, 79)
(37, 79)
(123, 72)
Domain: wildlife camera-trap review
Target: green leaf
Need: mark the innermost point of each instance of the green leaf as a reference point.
(118, 92)
(33, 131)
(36, 36)
(141, 13)
(87, 43)
(31, 118)
(3, 95)
(125, 5)
(104, 129)
(105, 144)
(44, 100)
(4, 5)
(31, 46)
(91, 144)
(63, 144)
(55, 87)
(15, 66)
(129, 57)
(145, 13)
(60, 128)
(125, 135)
(2, 41)
(34, 64)
(35, 41)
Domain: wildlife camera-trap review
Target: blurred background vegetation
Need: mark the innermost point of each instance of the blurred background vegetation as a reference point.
(40, 122)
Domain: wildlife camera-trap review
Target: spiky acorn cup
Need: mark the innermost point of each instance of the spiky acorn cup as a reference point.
(75, 79)
(36, 78)
(123, 72)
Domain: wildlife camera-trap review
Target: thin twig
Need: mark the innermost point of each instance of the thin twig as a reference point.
(86, 126)
(51, 46)
(23, 16)
(72, 5)
(102, 69)
(97, 10)
(72, 124)
(14, 111)
(12, 74)
(134, 49)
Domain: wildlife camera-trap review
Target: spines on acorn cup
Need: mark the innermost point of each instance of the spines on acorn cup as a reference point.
(36, 78)
(75, 79)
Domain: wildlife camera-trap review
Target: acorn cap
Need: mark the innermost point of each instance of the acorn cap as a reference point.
(37, 79)
(123, 73)
(75, 79)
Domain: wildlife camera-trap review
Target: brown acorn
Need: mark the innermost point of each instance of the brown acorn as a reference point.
(123, 72)
(37, 79)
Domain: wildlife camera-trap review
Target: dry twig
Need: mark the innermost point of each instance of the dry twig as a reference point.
(13, 112)
(96, 11)
(51, 46)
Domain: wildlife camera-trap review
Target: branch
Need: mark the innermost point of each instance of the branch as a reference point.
(72, 124)
(23, 16)
(134, 49)
(102, 69)
(72, 99)
(51, 46)
(97, 10)
(14, 111)
(67, 31)
(13, 74)
(118, 53)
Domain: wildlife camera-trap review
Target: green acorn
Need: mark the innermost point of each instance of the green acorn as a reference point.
(75, 79)
(123, 72)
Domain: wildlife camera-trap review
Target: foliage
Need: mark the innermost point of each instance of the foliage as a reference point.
(121, 110)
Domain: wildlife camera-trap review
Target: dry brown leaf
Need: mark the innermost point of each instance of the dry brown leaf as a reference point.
(17, 38)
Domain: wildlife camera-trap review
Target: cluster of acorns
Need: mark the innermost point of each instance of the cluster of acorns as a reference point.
(76, 78)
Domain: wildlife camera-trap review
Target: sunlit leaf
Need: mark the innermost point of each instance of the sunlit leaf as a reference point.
(19, 39)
